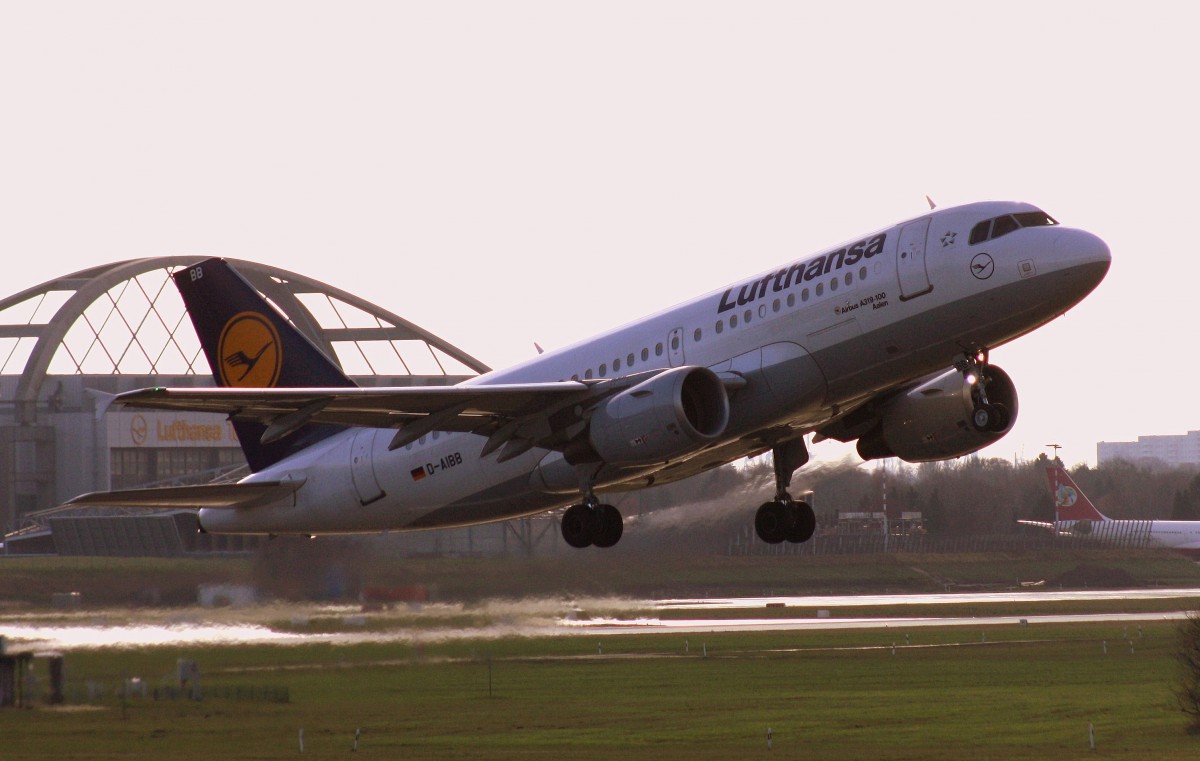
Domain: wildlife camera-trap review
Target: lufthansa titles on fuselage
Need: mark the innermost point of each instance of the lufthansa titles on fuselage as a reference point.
(802, 272)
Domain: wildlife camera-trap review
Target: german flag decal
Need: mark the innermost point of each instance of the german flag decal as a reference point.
(417, 473)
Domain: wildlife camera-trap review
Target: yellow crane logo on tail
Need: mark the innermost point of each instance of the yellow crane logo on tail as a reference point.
(249, 352)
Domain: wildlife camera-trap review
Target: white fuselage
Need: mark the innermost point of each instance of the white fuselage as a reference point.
(813, 338)
(1182, 536)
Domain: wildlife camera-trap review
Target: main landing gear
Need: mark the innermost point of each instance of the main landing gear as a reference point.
(592, 523)
(986, 416)
(783, 519)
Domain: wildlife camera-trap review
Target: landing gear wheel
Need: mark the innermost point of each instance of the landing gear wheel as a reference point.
(1003, 417)
(609, 526)
(804, 523)
(774, 521)
(984, 418)
(585, 525)
(579, 526)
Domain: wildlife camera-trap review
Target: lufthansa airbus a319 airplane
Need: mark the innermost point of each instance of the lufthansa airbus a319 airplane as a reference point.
(884, 339)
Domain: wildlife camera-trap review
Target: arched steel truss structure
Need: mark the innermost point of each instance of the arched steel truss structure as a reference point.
(107, 319)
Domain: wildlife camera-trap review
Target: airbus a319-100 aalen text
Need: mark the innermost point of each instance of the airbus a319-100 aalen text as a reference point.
(883, 340)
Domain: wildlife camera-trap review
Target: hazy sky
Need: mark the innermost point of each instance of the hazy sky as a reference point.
(509, 172)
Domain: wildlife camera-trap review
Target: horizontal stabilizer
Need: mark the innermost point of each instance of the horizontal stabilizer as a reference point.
(1039, 524)
(202, 495)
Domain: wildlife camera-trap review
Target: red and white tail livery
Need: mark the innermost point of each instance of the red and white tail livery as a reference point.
(1075, 515)
(1070, 504)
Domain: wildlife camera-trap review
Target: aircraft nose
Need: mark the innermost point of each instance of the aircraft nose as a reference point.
(1079, 247)
(1082, 258)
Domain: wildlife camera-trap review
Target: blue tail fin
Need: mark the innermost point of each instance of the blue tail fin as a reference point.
(249, 344)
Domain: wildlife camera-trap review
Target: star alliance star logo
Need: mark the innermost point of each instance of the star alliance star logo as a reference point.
(948, 239)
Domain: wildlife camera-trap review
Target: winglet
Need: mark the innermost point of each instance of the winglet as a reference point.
(104, 400)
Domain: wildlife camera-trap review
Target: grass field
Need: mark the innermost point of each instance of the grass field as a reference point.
(30, 582)
(1002, 692)
(1009, 692)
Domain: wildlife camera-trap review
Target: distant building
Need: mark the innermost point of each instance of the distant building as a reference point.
(1168, 450)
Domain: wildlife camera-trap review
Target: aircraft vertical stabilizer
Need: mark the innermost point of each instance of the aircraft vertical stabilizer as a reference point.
(1070, 503)
(249, 344)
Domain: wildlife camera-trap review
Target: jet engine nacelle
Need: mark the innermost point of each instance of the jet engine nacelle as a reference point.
(667, 416)
(943, 417)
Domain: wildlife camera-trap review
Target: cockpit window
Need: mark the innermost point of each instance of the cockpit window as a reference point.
(1035, 219)
(993, 228)
(979, 233)
(1004, 226)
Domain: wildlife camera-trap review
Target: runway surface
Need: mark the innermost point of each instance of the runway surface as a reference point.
(538, 618)
(1035, 594)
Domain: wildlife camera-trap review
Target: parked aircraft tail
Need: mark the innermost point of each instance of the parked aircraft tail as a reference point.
(249, 344)
(1070, 503)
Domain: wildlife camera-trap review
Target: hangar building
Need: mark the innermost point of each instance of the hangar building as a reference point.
(68, 343)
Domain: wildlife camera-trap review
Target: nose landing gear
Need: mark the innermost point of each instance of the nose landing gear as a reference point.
(986, 415)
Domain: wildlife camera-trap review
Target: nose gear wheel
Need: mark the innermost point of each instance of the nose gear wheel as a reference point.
(986, 415)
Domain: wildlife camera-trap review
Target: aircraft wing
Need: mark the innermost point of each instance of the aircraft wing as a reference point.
(382, 407)
(524, 415)
(202, 495)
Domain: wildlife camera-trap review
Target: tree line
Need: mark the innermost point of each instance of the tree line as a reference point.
(970, 495)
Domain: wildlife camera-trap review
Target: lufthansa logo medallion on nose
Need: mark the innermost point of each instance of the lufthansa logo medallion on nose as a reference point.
(982, 266)
(249, 352)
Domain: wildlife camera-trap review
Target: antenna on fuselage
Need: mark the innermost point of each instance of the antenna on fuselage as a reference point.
(932, 205)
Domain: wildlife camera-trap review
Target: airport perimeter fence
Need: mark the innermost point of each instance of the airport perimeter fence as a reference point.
(100, 693)
(877, 544)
